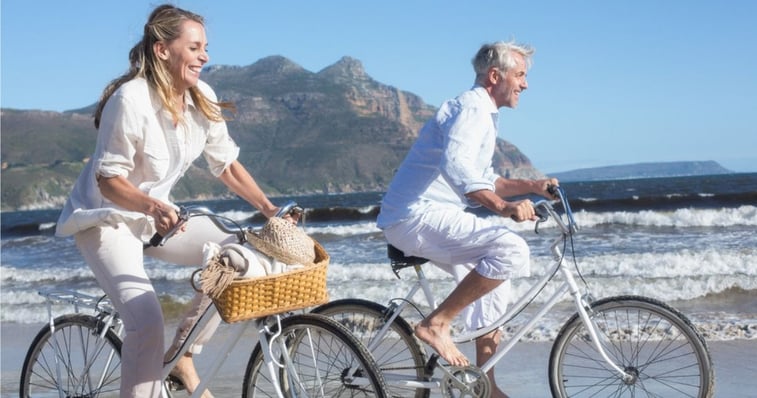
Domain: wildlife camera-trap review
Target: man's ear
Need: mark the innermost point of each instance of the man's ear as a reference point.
(493, 75)
(161, 50)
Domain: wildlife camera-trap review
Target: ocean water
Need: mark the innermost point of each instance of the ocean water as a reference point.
(689, 241)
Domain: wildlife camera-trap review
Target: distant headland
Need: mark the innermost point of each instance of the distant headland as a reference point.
(643, 170)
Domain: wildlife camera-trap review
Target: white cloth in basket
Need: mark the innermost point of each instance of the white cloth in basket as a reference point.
(247, 261)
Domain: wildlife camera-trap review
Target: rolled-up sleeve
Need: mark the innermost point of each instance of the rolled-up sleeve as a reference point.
(220, 150)
(461, 164)
(119, 137)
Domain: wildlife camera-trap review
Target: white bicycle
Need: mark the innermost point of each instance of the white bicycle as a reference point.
(298, 355)
(623, 346)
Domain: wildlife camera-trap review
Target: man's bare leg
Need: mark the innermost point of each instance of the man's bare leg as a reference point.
(435, 329)
(486, 347)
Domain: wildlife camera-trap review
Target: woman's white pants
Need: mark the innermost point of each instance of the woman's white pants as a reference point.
(116, 256)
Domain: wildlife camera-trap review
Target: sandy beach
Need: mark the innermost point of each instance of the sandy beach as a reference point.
(523, 373)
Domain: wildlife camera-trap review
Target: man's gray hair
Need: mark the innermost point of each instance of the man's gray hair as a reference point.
(500, 55)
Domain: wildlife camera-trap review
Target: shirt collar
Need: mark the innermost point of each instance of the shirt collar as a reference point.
(481, 92)
(188, 100)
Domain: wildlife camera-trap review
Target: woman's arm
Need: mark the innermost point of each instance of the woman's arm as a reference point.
(238, 180)
(124, 194)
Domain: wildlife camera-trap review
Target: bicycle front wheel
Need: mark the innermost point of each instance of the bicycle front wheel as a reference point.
(73, 361)
(398, 353)
(314, 356)
(648, 339)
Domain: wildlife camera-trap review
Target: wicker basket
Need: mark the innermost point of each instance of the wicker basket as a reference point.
(258, 297)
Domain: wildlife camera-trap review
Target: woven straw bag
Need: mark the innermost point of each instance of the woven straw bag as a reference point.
(247, 298)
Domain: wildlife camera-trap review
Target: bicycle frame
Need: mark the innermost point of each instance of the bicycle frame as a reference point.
(110, 319)
(236, 332)
(104, 311)
(569, 285)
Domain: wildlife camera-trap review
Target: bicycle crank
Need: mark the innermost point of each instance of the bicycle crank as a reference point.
(464, 382)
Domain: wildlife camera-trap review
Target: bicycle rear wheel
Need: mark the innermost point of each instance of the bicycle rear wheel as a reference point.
(322, 357)
(647, 338)
(73, 360)
(399, 354)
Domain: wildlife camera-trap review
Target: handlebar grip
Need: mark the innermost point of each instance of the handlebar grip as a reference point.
(552, 189)
(289, 208)
(156, 240)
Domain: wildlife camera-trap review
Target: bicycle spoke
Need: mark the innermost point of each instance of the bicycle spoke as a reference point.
(74, 360)
(652, 343)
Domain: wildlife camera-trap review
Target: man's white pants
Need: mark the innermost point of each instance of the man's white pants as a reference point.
(458, 242)
(116, 256)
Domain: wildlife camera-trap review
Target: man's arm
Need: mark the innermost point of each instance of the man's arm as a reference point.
(520, 210)
(506, 187)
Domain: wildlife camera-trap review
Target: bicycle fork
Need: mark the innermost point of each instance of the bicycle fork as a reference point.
(268, 340)
(583, 304)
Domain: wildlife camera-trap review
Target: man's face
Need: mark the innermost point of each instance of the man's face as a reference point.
(508, 86)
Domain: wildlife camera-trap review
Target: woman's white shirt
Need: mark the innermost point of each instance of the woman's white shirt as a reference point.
(138, 140)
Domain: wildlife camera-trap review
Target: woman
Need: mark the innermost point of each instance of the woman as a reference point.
(153, 122)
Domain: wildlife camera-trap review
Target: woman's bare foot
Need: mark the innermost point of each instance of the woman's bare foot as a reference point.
(186, 372)
(497, 393)
(437, 335)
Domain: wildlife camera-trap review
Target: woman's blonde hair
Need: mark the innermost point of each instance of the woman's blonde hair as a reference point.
(165, 24)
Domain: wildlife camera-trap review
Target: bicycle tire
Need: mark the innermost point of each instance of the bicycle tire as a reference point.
(91, 365)
(400, 355)
(322, 351)
(644, 336)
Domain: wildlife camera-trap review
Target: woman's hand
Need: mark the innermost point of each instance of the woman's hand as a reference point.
(293, 215)
(120, 191)
(165, 217)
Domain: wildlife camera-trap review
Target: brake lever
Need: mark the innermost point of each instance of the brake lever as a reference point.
(160, 240)
(542, 218)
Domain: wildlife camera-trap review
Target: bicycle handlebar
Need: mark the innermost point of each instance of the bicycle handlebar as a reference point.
(545, 209)
(185, 213)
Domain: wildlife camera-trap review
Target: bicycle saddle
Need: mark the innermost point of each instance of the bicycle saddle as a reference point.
(399, 260)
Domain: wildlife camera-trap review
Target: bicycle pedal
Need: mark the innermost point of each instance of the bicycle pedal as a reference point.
(430, 366)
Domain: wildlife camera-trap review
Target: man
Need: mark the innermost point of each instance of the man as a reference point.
(447, 170)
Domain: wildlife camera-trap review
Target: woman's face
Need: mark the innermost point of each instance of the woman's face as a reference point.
(186, 55)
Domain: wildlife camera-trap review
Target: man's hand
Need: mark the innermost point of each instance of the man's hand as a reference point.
(544, 186)
(522, 210)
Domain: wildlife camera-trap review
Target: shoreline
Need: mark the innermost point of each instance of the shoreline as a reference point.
(522, 373)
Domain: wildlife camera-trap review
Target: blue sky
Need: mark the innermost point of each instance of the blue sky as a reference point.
(613, 82)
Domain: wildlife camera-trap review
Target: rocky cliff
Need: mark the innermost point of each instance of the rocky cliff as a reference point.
(335, 130)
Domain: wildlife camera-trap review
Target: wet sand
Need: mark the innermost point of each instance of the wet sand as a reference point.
(522, 373)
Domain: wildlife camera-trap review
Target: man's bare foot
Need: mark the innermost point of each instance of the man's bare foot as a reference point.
(186, 372)
(439, 338)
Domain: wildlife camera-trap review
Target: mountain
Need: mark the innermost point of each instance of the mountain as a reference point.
(643, 170)
(335, 130)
